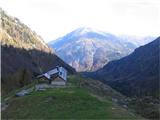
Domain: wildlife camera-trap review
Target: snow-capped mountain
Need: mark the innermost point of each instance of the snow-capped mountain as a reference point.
(87, 49)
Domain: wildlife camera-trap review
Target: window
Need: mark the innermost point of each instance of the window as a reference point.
(60, 73)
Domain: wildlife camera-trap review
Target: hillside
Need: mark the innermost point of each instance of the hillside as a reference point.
(136, 74)
(23, 54)
(81, 99)
(87, 49)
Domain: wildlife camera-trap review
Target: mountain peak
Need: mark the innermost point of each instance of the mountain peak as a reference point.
(84, 48)
(84, 30)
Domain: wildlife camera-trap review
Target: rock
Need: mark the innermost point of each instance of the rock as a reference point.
(114, 100)
(4, 106)
(24, 92)
(125, 106)
(41, 89)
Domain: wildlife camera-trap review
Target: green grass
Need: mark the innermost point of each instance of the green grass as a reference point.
(64, 103)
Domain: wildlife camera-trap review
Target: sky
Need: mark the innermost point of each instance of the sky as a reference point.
(52, 19)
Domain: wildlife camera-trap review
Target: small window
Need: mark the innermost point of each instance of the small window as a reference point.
(60, 73)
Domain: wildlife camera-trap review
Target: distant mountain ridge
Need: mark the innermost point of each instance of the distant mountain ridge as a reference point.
(87, 49)
(137, 40)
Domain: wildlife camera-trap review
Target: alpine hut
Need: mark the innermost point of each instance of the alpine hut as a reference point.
(56, 76)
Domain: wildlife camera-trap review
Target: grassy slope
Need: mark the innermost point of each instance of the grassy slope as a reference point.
(74, 101)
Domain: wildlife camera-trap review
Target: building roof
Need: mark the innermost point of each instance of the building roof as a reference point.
(56, 72)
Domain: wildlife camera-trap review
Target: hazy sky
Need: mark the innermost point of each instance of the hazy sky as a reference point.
(54, 18)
